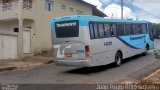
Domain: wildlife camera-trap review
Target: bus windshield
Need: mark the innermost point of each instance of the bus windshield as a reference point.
(67, 29)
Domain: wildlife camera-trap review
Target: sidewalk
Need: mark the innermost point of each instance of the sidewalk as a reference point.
(26, 63)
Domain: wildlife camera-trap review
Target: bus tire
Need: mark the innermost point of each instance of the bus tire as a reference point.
(118, 59)
(146, 50)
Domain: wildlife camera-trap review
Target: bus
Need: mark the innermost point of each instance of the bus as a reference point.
(87, 41)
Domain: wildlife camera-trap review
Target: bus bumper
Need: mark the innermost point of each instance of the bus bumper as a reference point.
(78, 63)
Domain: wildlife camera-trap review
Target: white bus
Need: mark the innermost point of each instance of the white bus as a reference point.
(88, 41)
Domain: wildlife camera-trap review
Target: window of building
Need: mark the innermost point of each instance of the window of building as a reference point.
(128, 29)
(120, 29)
(27, 4)
(6, 1)
(49, 5)
(16, 29)
(63, 7)
(9, 4)
(29, 27)
(71, 9)
(79, 12)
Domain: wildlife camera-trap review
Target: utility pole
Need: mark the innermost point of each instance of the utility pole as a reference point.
(112, 16)
(121, 9)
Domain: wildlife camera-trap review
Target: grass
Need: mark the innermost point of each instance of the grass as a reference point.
(157, 54)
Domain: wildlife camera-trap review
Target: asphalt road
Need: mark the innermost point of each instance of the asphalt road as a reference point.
(132, 69)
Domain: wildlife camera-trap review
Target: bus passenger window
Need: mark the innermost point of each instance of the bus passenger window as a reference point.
(101, 30)
(107, 30)
(137, 29)
(96, 31)
(128, 29)
(91, 31)
(140, 29)
(144, 28)
(120, 29)
(113, 30)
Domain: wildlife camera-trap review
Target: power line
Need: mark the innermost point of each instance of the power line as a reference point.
(150, 14)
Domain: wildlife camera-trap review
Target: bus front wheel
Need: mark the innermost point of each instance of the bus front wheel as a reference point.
(146, 50)
(118, 59)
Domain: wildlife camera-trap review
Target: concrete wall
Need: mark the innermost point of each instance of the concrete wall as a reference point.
(39, 20)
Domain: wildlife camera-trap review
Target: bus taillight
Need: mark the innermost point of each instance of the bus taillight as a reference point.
(87, 51)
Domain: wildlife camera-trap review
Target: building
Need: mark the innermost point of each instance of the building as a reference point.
(25, 24)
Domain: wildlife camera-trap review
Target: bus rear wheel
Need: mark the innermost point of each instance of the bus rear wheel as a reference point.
(118, 59)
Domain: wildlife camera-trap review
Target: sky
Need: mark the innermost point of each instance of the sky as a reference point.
(133, 9)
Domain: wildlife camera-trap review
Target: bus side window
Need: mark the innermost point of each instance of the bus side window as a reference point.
(137, 28)
(96, 33)
(128, 29)
(91, 30)
(133, 29)
(113, 30)
(120, 29)
(101, 30)
(107, 30)
(140, 28)
(144, 28)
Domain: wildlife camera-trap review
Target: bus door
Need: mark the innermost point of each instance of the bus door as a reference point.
(151, 30)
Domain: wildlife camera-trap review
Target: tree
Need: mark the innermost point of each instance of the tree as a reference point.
(156, 30)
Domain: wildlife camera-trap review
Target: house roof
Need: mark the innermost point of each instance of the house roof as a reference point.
(85, 3)
(95, 11)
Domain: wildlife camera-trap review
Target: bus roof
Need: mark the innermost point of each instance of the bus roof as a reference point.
(85, 19)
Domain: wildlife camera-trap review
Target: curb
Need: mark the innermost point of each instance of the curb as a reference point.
(49, 62)
(16, 67)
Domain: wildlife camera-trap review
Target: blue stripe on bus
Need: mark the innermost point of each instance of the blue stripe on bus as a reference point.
(127, 44)
(136, 41)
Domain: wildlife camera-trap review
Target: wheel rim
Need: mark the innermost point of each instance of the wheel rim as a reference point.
(146, 51)
(118, 60)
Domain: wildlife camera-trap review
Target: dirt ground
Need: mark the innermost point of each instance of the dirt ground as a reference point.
(153, 79)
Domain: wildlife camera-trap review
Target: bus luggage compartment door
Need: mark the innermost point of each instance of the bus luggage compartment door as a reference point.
(72, 51)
